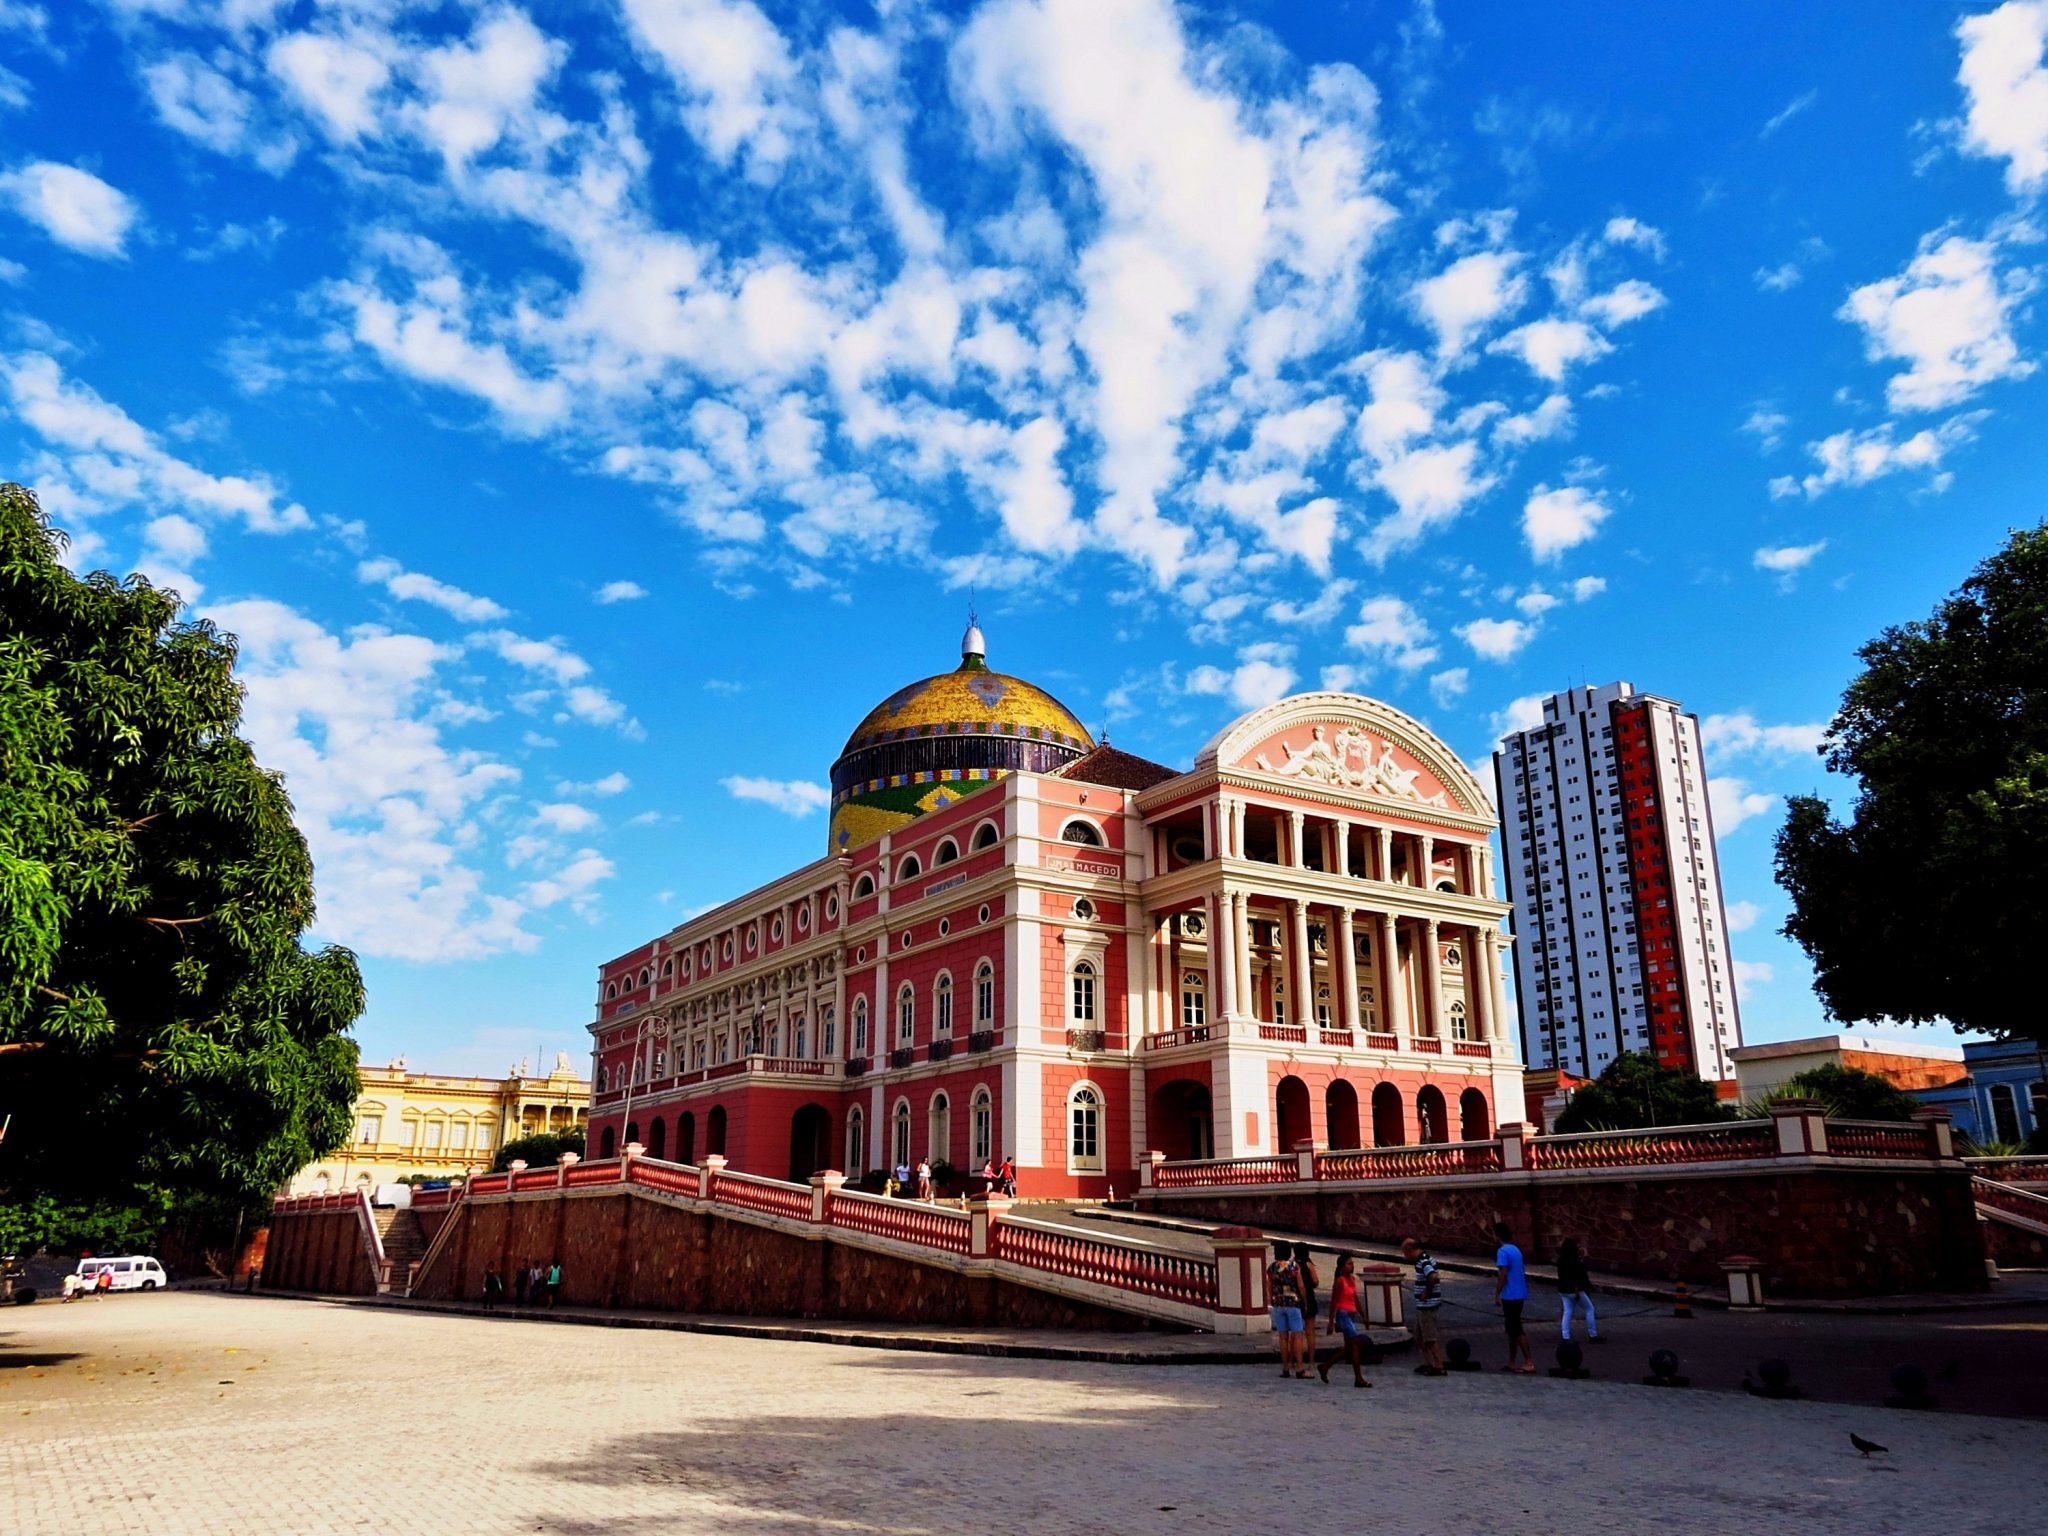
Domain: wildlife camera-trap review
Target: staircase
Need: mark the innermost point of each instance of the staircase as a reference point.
(404, 1244)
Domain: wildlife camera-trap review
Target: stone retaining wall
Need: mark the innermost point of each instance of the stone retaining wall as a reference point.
(319, 1251)
(1819, 1232)
(631, 1251)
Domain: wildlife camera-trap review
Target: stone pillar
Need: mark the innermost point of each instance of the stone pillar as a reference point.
(1496, 988)
(1432, 1021)
(1392, 997)
(1347, 969)
(1240, 1280)
(1342, 863)
(823, 1187)
(1478, 1003)
(1802, 1127)
(982, 1215)
(709, 1167)
(1301, 974)
(1223, 945)
(1941, 1140)
(1427, 875)
(563, 1164)
(1146, 1166)
(1241, 938)
(1294, 834)
(1514, 1149)
(1379, 1291)
(1745, 1283)
(1383, 849)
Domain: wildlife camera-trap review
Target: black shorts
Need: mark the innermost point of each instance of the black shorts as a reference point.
(1511, 1314)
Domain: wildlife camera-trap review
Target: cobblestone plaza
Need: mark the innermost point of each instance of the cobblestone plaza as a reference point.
(203, 1413)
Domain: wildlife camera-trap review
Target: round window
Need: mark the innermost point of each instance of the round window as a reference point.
(945, 926)
(753, 939)
(983, 914)
(832, 907)
(904, 942)
(803, 920)
(775, 930)
(727, 951)
(1084, 909)
(860, 955)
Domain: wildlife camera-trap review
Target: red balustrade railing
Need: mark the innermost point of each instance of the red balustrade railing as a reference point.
(536, 1178)
(1427, 1045)
(907, 1221)
(490, 1183)
(763, 1195)
(1237, 1170)
(1638, 1149)
(2010, 1170)
(1337, 1037)
(1878, 1138)
(1382, 1042)
(670, 1178)
(426, 1199)
(2013, 1199)
(1410, 1162)
(582, 1175)
(1290, 1034)
(1477, 1048)
(1149, 1271)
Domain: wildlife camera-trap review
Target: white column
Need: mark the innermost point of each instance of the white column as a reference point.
(1343, 861)
(1294, 848)
(1222, 955)
(1241, 949)
(1496, 988)
(1392, 994)
(1478, 1001)
(1301, 973)
(1427, 878)
(1347, 968)
(1432, 981)
(1384, 838)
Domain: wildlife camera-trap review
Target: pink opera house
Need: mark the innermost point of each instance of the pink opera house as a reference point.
(1025, 943)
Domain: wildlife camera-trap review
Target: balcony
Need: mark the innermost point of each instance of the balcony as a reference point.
(981, 1040)
(1188, 1034)
(856, 1066)
(903, 1056)
(1085, 1039)
(1478, 1048)
(939, 1050)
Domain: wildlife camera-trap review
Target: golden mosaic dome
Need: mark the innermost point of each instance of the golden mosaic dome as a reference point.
(943, 737)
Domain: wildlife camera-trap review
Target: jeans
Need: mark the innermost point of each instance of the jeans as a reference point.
(1592, 1323)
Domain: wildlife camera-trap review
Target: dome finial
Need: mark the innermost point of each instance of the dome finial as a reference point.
(973, 648)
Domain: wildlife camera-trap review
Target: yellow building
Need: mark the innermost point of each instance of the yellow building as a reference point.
(413, 1123)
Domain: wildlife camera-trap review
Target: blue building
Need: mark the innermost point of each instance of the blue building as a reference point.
(2003, 1099)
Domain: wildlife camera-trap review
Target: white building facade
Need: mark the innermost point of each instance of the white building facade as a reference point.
(1610, 866)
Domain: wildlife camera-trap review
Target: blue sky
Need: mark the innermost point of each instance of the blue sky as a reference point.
(585, 412)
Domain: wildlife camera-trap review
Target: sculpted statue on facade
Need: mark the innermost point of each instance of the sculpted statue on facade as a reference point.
(1348, 761)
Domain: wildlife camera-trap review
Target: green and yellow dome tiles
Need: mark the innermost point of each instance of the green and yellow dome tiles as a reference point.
(927, 745)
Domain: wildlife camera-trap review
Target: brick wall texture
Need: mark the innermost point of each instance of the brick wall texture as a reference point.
(318, 1251)
(1818, 1234)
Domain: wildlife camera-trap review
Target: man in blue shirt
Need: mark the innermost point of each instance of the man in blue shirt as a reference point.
(1510, 1294)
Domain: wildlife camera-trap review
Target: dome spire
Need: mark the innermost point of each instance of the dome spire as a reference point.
(973, 648)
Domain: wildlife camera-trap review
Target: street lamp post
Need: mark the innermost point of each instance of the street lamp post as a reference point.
(657, 1026)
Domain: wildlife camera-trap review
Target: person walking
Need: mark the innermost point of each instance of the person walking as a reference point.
(924, 1178)
(554, 1282)
(1009, 1177)
(1346, 1321)
(535, 1277)
(1511, 1295)
(1429, 1300)
(518, 1285)
(1574, 1285)
(494, 1290)
(1283, 1296)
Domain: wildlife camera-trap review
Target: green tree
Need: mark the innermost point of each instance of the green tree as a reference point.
(1635, 1092)
(538, 1150)
(1848, 1092)
(1928, 902)
(164, 1038)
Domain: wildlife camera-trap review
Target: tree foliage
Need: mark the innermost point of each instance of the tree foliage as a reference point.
(538, 1150)
(1849, 1093)
(1634, 1092)
(1927, 903)
(164, 1038)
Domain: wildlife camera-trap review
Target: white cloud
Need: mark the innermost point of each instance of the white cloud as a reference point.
(573, 882)
(733, 68)
(1733, 802)
(1742, 916)
(195, 99)
(103, 458)
(620, 592)
(1949, 317)
(412, 586)
(1786, 274)
(1588, 587)
(1549, 347)
(792, 797)
(1751, 974)
(1767, 424)
(1788, 560)
(1497, 639)
(1791, 109)
(1389, 629)
(335, 80)
(564, 817)
(1449, 685)
(2006, 87)
(1468, 296)
(73, 207)
(1263, 674)
(1554, 521)
(1728, 735)
(610, 784)
(1518, 715)
(1624, 230)
(1856, 458)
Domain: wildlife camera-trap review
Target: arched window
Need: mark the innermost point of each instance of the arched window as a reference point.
(1084, 1129)
(909, 869)
(906, 1014)
(982, 1133)
(608, 1144)
(1322, 1007)
(721, 1048)
(1082, 832)
(611, 990)
(775, 1038)
(899, 1137)
(1194, 999)
(668, 966)
(799, 1038)
(987, 835)
(947, 852)
(828, 1033)
(938, 1137)
(984, 995)
(856, 1142)
(2005, 1113)
(863, 887)
(942, 1007)
(646, 974)
(860, 1026)
(1460, 1028)
(1083, 995)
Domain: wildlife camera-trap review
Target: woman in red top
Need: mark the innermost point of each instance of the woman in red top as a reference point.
(1346, 1318)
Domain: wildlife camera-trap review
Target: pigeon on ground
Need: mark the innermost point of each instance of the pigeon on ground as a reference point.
(1863, 1445)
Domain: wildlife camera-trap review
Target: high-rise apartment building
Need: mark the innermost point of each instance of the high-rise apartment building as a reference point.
(1608, 847)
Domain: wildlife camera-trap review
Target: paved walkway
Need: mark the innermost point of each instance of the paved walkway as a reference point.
(192, 1414)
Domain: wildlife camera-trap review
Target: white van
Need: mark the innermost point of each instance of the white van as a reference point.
(129, 1274)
